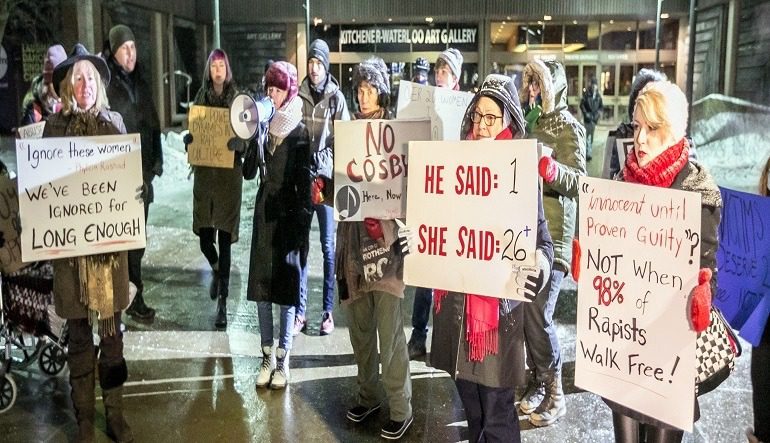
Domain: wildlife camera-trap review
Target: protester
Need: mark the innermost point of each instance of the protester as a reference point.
(591, 106)
(420, 70)
(660, 157)
(449, 69)
(282, 216)
(373, 302)
(760, 359)
(217, 191)
(41, 99)
(92, 287)
(131, 96)
(322, 104)
(479, 340)
(544, 97)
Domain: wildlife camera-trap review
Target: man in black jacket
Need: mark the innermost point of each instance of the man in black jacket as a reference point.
(591, 106)
(131, 96)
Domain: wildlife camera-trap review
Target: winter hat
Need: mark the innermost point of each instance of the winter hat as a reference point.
(375, 72)
(454, 59)
(421, 64)
(643, 77)
(320, 50)
(282, 75)
(120, 34)
(79, 52)
(502, 89)
(55, 55)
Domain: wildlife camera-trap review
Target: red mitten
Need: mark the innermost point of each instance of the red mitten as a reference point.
(316, 191)
(373, 228)
(576, 253)
(547, 168)
(700, 305)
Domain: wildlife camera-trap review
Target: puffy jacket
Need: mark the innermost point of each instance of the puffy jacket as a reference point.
(558, 129)
(319, 119)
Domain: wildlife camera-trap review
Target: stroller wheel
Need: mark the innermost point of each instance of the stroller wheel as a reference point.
(25, 348)
(52, 359)
(7, 392)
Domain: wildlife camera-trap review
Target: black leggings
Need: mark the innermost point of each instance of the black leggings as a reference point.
(221, 260)
(628, 430)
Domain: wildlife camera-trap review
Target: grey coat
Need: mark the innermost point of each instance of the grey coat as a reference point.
(319, 119)
(66, 285)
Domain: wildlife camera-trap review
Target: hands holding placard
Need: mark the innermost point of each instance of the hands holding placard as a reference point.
(530, 279)
(405, 237)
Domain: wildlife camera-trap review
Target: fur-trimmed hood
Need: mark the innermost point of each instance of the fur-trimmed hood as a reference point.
(552, 79)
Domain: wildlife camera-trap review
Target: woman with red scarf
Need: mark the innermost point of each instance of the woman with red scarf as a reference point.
(479, 340)
(661, 158)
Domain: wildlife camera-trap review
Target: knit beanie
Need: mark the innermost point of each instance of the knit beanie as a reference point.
(454, 59)
(282, 75)
(421, 64)
(55, 55)
(373, 71)
(120, 34)
(320, 50)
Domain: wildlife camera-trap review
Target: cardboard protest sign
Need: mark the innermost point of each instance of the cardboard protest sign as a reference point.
(623, 145)
(210, 128)
(371, 166)
(640, 260)
(743, 281)
(620, 145)
(10, 253)
(35, 130)
(78, 196)
(473, 208)
(444, 107)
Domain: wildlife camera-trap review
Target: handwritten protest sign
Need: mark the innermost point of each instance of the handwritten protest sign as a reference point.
(640, 259)
(444, 107)
(473, 208)
(35, 130)
(370, 166)
(210, 128)
(77, 196)
(743, 281)
(10, 253)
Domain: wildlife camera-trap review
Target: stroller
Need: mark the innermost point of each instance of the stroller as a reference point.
(30, 330)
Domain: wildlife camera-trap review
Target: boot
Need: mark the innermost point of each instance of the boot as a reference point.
(532, 397)
(268, 365)
(281, 373)
(221, 319)
(117, 428)
(553, 406)
(83, 401)
(139, 310)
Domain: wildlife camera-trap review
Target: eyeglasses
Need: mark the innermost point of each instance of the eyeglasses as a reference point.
(489, 119)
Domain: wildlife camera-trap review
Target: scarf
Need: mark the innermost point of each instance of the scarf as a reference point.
(378, 114)
(94, 271)
(287, 118)
(482, 313)
(662, 170)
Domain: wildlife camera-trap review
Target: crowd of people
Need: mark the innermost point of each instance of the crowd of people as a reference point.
(84, 94)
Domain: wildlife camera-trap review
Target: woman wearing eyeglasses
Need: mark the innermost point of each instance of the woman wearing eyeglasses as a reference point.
(479, 340)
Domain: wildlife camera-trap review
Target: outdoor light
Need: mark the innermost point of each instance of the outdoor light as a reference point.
(664, 15)
(546, 17)
(429, 19)
(317, 21)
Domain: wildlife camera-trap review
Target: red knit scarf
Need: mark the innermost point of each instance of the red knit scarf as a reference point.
(662, 170)
(482, 313)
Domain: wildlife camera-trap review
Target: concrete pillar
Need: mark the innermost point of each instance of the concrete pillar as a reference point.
(158, 68)
(302, 51)
(85, 14)
(731, 46)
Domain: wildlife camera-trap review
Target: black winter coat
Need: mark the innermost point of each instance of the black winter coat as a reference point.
(131, 96)
(282, 215)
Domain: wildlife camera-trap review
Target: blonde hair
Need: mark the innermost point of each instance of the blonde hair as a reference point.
(763, 180)
(67, 91)
(664, 106)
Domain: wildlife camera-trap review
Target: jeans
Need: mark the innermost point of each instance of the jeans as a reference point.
(328, 229)
(265, 312)
(423, 299)
(491, 417)
(543, 352)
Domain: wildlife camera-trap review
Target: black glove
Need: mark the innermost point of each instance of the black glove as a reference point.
(141, 193)
(237, 145)
(187, 139)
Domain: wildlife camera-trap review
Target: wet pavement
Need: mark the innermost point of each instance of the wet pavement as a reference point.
(189, 382)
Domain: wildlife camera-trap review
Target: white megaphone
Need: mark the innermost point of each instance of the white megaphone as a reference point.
(246, 114)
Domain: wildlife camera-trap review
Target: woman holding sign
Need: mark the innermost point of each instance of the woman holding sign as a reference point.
(280, 239)
(371, 287)
(479, 340)
(217, 191)
(661, 158)
(93, 287)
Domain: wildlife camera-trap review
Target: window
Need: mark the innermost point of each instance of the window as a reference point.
(619, 36)
(625, 79)
(669, 34)
(576, 34)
